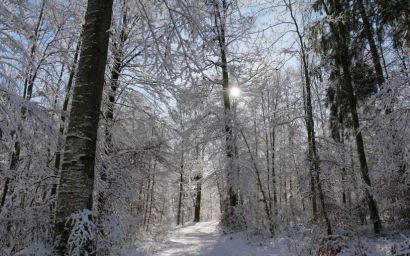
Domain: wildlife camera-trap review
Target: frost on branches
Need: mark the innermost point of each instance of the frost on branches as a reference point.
(268, 127)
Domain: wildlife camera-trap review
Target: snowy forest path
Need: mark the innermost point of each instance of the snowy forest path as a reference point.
(204, 238)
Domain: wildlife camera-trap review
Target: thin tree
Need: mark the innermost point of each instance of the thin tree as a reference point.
(30, 77)
(310, 125)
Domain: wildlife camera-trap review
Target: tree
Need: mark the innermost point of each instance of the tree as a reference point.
(341, 56)
(75, 190)
(29, 80)
(310, 127)
(197, 204)
(220, 15)
(370, 39)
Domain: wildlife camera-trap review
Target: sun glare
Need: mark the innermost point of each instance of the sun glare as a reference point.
(235, 92)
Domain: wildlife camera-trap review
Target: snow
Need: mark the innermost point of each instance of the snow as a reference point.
(204, 239)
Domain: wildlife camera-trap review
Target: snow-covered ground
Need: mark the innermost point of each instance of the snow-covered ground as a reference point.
(204, 239)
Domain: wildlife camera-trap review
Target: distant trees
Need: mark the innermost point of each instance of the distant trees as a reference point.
(317, 137)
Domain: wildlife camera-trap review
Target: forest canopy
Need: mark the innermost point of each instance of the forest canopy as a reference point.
(281, 120)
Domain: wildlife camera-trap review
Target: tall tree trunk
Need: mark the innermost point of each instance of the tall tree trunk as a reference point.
(75, 191)
(339, 138)
(379, 34)
(152, 194)
(32, 73)
(181, 195)
(109, 113)
(14, 159)
(147, 196)
(312, 185)
(58, 153)
(343, 172)
(229, 220)
(310, 126)
(370, 39)
(343, 56)
(267, 147)
(275, 196)
(197, 211)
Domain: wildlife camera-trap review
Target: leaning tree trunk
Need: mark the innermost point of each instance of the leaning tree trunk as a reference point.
(370, 39)
(75, 191)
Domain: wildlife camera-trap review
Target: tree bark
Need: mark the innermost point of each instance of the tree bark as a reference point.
(57, 161)
(75, 190)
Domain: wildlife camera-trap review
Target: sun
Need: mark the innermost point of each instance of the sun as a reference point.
(235, 92)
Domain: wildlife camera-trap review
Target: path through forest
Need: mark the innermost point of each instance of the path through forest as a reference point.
(205, 239)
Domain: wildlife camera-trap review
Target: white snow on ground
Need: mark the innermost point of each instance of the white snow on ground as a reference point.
(204, 239)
